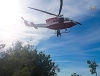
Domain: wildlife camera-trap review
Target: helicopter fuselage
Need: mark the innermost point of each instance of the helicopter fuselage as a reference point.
(53, 23)
(58, 23)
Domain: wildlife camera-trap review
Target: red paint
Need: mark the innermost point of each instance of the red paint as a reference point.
(61, 26)
(48, 21)
(58, 26)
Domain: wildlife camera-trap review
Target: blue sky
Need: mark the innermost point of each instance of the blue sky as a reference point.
(71, 50)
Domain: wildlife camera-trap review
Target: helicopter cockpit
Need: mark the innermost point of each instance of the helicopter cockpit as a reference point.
(62, 19)
(66, 19)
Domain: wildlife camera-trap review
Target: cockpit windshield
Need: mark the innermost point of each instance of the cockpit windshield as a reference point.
(67, 19)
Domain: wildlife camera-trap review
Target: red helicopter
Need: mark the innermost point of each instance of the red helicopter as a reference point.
(56, 23)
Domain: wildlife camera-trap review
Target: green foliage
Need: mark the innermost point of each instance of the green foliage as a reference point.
(23, 60)
(74, 74)
(92, 65)
(88, 62)
(22, 72)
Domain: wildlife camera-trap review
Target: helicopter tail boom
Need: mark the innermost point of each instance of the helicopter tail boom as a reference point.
(33, 25)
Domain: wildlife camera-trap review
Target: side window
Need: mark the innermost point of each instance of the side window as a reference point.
(53, 21)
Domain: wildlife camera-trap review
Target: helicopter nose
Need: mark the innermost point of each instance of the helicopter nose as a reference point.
(76, 22)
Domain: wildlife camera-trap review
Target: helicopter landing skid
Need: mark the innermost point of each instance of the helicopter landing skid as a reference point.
(66, 31)
(63, 32)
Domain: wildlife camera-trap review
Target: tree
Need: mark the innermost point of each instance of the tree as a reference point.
(74, 74)
(1, 47)
(92, 65)
(23, 60)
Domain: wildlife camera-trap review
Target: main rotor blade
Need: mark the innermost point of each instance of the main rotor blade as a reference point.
(43, 11)
(61, 4)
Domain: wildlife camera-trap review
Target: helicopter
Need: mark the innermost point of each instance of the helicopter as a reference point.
(57, 23)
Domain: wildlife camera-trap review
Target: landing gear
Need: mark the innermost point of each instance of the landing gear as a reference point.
(59, 33)
(66, 31)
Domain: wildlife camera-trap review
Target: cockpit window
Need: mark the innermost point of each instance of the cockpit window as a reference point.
(67, 19)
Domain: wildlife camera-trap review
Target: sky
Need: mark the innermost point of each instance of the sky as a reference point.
(71, 50)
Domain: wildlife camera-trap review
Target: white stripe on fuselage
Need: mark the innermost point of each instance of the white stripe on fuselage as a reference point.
(45, 25)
